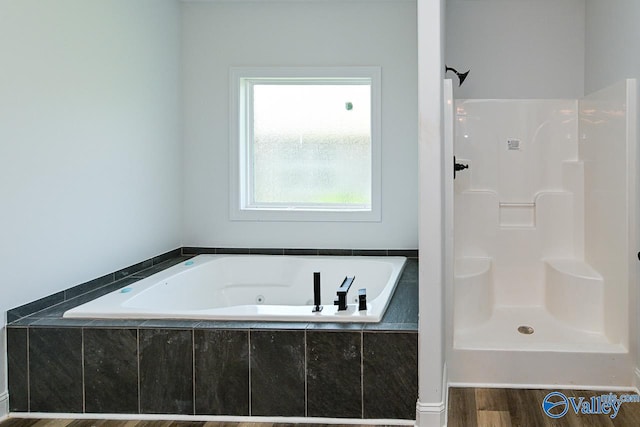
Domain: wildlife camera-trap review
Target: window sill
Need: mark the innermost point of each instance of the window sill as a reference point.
(305, 215)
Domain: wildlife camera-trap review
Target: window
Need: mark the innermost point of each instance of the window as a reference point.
(305, 144)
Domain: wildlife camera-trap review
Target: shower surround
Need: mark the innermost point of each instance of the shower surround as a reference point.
(544, 240)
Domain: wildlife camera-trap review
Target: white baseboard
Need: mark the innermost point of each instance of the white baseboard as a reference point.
(431, 414)
(4, 405)
(434, 414)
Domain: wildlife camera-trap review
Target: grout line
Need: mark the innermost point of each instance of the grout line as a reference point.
(138, 360)
(84, 397)
(362, 374)
(28, 372)
(193, 367)
(249, 344)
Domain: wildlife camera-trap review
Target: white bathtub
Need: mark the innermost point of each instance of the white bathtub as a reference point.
(252, 287)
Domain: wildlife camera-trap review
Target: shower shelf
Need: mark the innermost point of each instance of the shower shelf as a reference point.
(517, 205)
(517, 214)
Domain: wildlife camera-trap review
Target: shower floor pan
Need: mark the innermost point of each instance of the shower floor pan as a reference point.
(562, 323)
(555, 355)
(500, 332)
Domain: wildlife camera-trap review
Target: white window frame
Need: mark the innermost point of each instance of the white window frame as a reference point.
(240, 208)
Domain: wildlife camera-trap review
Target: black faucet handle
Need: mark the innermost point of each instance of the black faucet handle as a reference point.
(362, 299)
(341, 301)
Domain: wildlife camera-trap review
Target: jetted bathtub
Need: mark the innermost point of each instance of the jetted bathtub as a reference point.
(253, 287)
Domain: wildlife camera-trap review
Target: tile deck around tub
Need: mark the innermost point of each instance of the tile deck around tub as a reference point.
(95, 288)
(401, 314)
(353, 370)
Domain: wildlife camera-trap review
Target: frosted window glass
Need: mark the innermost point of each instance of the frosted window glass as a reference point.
(311, 145)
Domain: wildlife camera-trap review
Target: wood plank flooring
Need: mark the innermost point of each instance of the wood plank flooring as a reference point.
(468, 407)
(499, 407)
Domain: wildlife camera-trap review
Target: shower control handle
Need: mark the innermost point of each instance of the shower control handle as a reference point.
(457, 167)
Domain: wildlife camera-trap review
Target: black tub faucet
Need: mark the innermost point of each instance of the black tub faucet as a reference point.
(341, 299)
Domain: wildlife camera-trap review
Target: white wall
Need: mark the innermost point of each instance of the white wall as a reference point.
(90, 155)
(218, 35)
(612, 35)
(517, 49)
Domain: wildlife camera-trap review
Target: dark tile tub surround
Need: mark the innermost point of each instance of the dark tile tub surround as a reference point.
(111, 371)
(222, 369)
(255, 372)
(390, 361)
(166, 371)
(55, 370)
(135, 366)
(18, 360)
(409, 253)
(334, 380)
(277, 373)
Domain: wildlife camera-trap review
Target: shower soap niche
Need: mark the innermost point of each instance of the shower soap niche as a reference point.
(575, 293)
(517, 214)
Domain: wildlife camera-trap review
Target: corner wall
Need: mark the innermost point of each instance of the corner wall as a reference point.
(90, 154)
(610, 56)
(219, 35)
(434, 220)
(605, 151)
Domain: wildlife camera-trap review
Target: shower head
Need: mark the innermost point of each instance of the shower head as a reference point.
(461, 76)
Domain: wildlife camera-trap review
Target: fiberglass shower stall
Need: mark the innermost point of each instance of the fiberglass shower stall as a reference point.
(544, 241)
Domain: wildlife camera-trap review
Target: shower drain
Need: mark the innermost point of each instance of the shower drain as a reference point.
(526, 330)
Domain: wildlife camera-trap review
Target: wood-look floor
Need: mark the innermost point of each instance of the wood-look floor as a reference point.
(499, 407)
(468, 407)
